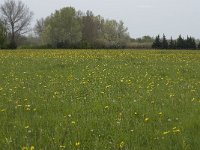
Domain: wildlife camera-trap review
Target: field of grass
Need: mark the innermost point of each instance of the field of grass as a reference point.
(99, 100)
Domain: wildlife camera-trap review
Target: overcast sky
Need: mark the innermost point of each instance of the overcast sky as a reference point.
(142, 17)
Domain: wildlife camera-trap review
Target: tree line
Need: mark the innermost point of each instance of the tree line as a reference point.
(179, 43)
(69, 28)
(65, 28)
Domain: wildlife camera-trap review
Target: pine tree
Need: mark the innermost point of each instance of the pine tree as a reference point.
(198, 46)
(193, 44)
(157, 43)
(180, 44)
(164, 42)
(171, 44)
(188, 43)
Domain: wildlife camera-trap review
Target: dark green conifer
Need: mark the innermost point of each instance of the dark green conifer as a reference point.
(171, 44)
(157, 43)
(164, 42)
(180, 43)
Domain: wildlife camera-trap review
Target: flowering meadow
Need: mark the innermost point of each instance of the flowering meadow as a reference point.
(99, 100)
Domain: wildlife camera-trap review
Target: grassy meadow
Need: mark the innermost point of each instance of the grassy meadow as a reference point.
(99, 100)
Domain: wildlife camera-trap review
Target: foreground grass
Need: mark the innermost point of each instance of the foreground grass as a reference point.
(99, 100)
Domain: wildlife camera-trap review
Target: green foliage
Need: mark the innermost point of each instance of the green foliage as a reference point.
(164, 42)
(90, 26)
(147, 38)
(62, 28)
(68, 28)
(39, 27)
(172, 44)
(99, 100)
(115, 33)
(3, 35)
(190, 43)
(157, 43)
(141, 43)
(198, 46)
(180, 43)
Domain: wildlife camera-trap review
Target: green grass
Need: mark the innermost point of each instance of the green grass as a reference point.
(99, 100)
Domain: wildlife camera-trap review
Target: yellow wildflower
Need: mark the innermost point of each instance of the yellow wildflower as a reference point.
(146, 119)
(176, 131)
(174, 128)
(3, 110)
(77, 144)
(108, 86)
(32, 148)
(24, 148)
(121, 145)
(62, 146)
(26, 127)
(166, 132)
(106, 107)
(27, 148)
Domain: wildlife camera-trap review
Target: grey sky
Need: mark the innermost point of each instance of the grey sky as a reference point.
(142, 17)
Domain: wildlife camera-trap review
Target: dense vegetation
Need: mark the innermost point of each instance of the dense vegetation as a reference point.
(83, 99)
(180, 43)
(3, 34)
(68, 28)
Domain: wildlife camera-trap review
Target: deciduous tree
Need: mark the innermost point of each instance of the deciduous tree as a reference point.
(62, 28)
(17, 17)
